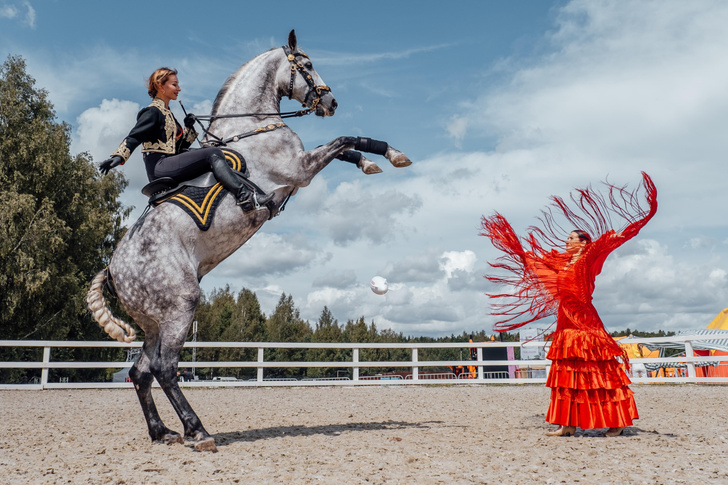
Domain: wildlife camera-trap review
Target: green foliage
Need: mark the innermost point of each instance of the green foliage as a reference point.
(327, 331)
(59, 220)
(286, 325)
(223, 318)
(637, 333)
(226, 318)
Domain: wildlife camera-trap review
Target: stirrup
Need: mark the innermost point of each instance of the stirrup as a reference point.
(254, 202)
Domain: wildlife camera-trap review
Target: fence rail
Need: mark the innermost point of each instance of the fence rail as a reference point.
(519, 371)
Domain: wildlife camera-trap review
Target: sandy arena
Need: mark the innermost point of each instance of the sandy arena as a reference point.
(356, 435)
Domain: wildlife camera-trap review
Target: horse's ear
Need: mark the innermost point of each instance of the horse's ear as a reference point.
(292, 40)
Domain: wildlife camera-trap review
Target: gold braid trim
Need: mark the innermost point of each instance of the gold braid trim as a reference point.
(123, 151)
(166, 145)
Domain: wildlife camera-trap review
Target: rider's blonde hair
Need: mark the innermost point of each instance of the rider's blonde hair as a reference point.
(157, 79)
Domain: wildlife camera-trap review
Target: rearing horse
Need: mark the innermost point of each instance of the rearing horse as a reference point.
(159, 263)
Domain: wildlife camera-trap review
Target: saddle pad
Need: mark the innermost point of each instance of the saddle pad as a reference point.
(199, 203)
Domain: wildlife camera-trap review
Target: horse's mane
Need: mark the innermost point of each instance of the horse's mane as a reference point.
(231, 79)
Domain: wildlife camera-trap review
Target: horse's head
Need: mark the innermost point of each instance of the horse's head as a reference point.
(305, 85)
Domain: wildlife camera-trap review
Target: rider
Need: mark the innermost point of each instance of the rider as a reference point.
(165, 145)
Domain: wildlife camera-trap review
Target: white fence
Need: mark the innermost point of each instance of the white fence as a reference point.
(413, 371)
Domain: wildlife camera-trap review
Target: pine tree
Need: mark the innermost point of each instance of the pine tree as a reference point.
(247, 324)
(327, 331)
(286, 325)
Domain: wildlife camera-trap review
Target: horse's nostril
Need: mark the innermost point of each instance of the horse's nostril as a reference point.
(334, 104)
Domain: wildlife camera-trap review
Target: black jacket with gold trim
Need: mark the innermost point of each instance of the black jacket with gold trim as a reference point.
(157, 131)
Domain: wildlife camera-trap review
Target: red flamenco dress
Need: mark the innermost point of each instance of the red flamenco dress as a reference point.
(589, 386)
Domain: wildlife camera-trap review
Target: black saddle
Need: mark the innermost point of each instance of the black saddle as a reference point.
(166, 186)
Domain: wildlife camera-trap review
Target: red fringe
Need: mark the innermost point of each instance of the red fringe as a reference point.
(530, 299)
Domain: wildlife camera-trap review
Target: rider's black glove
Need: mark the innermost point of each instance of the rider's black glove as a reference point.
(190, 120)
(109, 163)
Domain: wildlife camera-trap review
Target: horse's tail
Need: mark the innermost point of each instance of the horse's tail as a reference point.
(116, 328)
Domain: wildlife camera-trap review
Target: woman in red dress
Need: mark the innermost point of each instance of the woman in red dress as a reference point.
(589, 386)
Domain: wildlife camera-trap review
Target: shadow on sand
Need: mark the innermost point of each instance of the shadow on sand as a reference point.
(223, 439)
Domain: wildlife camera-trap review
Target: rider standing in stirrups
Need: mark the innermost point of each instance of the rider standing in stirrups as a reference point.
(165, 143)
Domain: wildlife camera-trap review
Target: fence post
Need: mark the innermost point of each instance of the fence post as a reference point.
(44, 371)
(355, 360)
(260, 361)
(415, 369)
(689, 353)
(481, 374)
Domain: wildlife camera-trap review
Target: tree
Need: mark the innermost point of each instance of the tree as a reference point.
(247, 325)
(327, 331)
(225, 318)
(286, 325)
(59, 219)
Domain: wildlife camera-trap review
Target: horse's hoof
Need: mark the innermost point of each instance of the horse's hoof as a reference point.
(369, 167)
(170, 439)
(207, 444)
(397, 158)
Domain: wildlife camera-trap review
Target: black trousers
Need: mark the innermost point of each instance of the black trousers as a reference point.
(180, 167)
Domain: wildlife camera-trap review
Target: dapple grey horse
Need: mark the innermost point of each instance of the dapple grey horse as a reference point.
(157, 267)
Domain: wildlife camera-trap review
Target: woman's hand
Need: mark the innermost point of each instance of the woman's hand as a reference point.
(109, 163)
(190, 120)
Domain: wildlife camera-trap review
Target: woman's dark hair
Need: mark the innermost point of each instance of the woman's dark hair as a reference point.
(583, 236)
(157, 79)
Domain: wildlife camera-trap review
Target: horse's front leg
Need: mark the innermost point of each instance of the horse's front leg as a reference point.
(366, 165)
(315, 160)
(378, 147)
(369, 145)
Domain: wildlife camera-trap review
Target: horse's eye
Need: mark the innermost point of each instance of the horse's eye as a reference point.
(308, 65)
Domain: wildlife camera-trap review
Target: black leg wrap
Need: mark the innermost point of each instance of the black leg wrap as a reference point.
(350, 156)
(371, 146)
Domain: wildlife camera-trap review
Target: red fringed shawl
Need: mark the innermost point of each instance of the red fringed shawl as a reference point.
(532, 271)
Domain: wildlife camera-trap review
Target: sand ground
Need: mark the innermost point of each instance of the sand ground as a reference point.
(361, 435)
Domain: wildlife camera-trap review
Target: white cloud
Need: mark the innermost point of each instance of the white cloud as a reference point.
(272, 254)
(452, 261)
(646, 282)
(351, 213)
(457, 128)
(29, 15)
(9, 11)
(613, 88)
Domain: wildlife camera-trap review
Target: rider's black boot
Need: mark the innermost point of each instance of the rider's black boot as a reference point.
(244, 197)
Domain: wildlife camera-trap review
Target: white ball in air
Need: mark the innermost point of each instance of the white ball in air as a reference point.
(379, 285)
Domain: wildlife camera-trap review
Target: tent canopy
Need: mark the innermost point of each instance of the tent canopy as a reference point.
(721, 321)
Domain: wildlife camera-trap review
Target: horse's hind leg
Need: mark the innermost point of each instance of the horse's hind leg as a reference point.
(142, 378)
(172, 338)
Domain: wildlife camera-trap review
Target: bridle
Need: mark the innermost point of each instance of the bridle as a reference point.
(313, 90)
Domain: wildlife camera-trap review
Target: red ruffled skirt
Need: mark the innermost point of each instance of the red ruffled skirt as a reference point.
(589, 387)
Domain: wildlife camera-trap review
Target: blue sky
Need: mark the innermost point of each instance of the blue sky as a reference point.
(498, 104)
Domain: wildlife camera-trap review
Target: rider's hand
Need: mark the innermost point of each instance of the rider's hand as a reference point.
(190, 120)
(109, 163)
